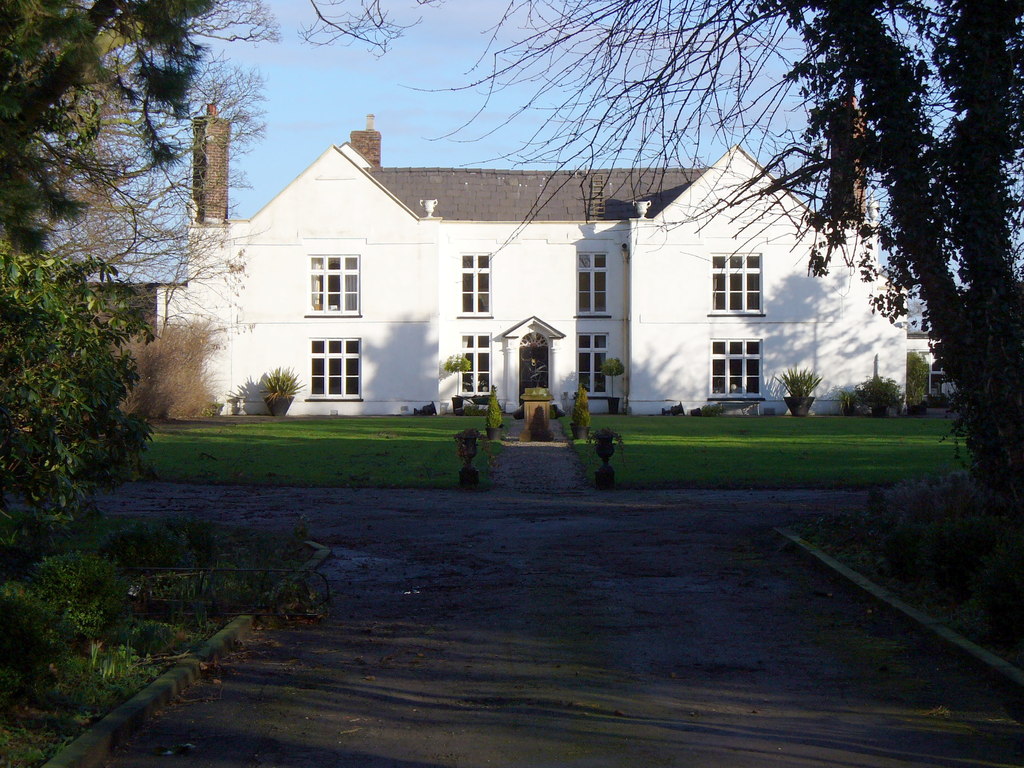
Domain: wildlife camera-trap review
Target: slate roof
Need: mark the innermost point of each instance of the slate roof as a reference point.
(480, 194)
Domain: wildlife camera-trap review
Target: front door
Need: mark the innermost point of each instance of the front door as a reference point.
(533, 362)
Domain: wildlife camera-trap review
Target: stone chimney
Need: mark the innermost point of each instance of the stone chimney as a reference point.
(367, 143)
(210, 166)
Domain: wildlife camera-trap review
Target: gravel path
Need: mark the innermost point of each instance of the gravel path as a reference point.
(543, 624)
(543, 468)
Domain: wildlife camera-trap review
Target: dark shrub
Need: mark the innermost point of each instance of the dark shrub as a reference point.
(947, 497)
(146, 545)
(200, 538)
(954, 551)
(83, 589)
(146, 637)
(29, 642)
(902, 550)
(999, 590)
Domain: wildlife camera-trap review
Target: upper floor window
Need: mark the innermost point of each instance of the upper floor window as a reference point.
(736, 368)
(592, 271)
(335, 368)
(736, 283)
(477, 380)
(334, 282)
(593, 349)
(476, 285)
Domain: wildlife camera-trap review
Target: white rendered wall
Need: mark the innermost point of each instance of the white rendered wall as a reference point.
(658, 317)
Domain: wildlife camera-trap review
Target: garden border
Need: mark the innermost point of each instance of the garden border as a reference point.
(95, 745)
(960, 643)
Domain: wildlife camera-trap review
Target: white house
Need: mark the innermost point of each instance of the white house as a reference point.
(364, 279)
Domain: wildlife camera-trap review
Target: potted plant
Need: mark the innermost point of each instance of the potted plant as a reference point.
(494, 416)
(279, 388)
(799, 383)
(611, 368)
(879, 394)
(457, 364)
(580, 414)
(847, 402)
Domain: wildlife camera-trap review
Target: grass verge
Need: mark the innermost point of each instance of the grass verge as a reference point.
(740, 452)
(370, 452)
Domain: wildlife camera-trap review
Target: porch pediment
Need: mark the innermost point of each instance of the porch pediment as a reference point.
(531, 325)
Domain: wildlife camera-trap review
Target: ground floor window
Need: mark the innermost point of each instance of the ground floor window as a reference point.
(477, 380)
(593, 349)
(736, 368)
(335, 367)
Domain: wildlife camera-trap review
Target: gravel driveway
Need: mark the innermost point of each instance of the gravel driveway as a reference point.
(565, 627)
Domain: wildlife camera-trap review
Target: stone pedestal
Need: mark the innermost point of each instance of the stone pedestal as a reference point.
(536, 416)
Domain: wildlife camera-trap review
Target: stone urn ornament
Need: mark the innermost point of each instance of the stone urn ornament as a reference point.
(466, 447)
(604, 446)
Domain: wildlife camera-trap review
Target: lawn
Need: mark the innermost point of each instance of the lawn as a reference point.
(740, 452)
(659, 452)
(370, 452)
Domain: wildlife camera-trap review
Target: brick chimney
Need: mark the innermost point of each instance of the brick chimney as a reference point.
(210, 166)
(367, 143)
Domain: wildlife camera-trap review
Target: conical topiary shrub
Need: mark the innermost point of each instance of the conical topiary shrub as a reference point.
(581, 414)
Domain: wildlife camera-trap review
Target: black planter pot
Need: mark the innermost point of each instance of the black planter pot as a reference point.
(613, 405)
(799, 406)
(494, 433)
(880, 411)
(279, 405)
(579, 432)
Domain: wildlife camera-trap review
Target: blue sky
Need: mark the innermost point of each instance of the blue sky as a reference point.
(316, 95)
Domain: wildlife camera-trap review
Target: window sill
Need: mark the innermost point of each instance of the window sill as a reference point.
(475, 317)
(736, 399)
(333, 315)
(592, 316)
(736, 314)
(333, 400)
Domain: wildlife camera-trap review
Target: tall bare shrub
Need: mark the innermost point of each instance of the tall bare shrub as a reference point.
(173, 378)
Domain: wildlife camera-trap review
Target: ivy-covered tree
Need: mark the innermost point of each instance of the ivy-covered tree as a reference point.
(917, 103)
(63, 377)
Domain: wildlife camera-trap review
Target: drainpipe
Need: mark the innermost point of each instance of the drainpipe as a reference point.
(627, 310)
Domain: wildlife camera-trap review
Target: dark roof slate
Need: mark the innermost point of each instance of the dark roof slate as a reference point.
(482, 194)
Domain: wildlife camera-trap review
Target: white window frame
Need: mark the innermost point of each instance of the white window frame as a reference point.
(592, 269)
(476, 347)
(336, 369)
(591, 352)
(342, 269)
(736, 368)
(737, 284)
(475, 286)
